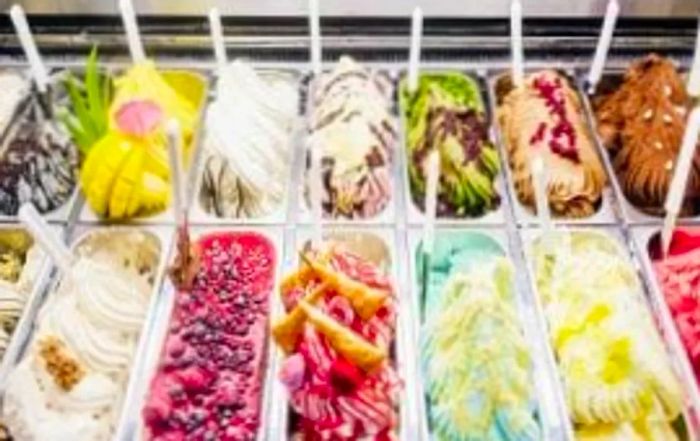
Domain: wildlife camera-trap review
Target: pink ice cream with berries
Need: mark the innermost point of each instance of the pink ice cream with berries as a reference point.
(209, 381)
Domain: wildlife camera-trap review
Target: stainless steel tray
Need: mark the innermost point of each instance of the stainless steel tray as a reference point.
(617, 236)
(34, 299)
(66, 211)
(416, 216)
(388, 215)
(384, 240)
(641, 236)
(163, 236)
(198, 214)
(604, 215)
(552, 420)
(86, 215)
(628, 211)
(131, 426)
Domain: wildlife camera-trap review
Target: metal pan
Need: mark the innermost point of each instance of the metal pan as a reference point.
(611, 80)
(616, 237)
(414, 214)
(132, 426)
(201, 215)
(86, 215)
(160, 237)
(377, 245)
(38, 278)
(303, 213)
(549, 402)
(641, 237)
(499, 86)
(23, 111)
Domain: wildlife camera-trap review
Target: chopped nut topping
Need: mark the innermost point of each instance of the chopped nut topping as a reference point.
(668, 119)
(669, 165)
(648, 114)
(63, 367)
(658, 145)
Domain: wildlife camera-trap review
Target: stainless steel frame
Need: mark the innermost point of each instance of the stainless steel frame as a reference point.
(383, 8)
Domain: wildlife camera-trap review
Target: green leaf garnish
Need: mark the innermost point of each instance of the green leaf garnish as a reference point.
(87, 115)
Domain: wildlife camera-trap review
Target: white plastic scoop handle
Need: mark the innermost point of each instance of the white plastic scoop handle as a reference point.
(679, 181)
(133, 35)
(172, 130)
(46, 238)
(217, 38)
(516, 42)
(414, 51)
(39, 73)
(604, 41)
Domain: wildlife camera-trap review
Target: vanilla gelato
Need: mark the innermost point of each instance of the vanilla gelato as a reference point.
(71, 382)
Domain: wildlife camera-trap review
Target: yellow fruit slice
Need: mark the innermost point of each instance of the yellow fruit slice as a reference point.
(100, 170)
(155, 193)
(126, 184)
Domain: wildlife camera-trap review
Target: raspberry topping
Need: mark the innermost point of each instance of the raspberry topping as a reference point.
(561, 134)
(209, 379)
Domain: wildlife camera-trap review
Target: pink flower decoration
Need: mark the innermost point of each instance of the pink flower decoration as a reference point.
(138, 117)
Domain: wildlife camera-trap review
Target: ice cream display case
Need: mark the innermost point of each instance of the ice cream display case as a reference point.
(270, 242)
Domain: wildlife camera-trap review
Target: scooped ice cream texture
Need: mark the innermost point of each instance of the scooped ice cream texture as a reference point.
(20, 262)
(126, 172)
(249, 139)
(641, 124)
(209, 381)
(352, 130)
(475, 359)
(545, 117)
(70, 383)
(38, 163)
(615, 370)
(446, 113)
(337, 335)
(679, 276)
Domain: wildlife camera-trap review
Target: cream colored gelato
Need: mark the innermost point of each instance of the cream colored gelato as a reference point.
(71, 382)
(249, 135)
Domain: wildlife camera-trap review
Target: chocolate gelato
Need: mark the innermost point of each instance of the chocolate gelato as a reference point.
(641, 124)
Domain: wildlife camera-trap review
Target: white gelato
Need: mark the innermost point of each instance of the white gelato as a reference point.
(248, 134)
(71, 383)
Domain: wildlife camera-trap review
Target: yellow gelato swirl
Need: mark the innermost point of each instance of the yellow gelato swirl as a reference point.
(615, 370)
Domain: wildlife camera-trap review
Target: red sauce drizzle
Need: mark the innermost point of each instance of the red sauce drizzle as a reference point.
(562, 137)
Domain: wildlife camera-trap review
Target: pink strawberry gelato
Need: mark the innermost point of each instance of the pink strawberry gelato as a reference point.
(679, 277)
